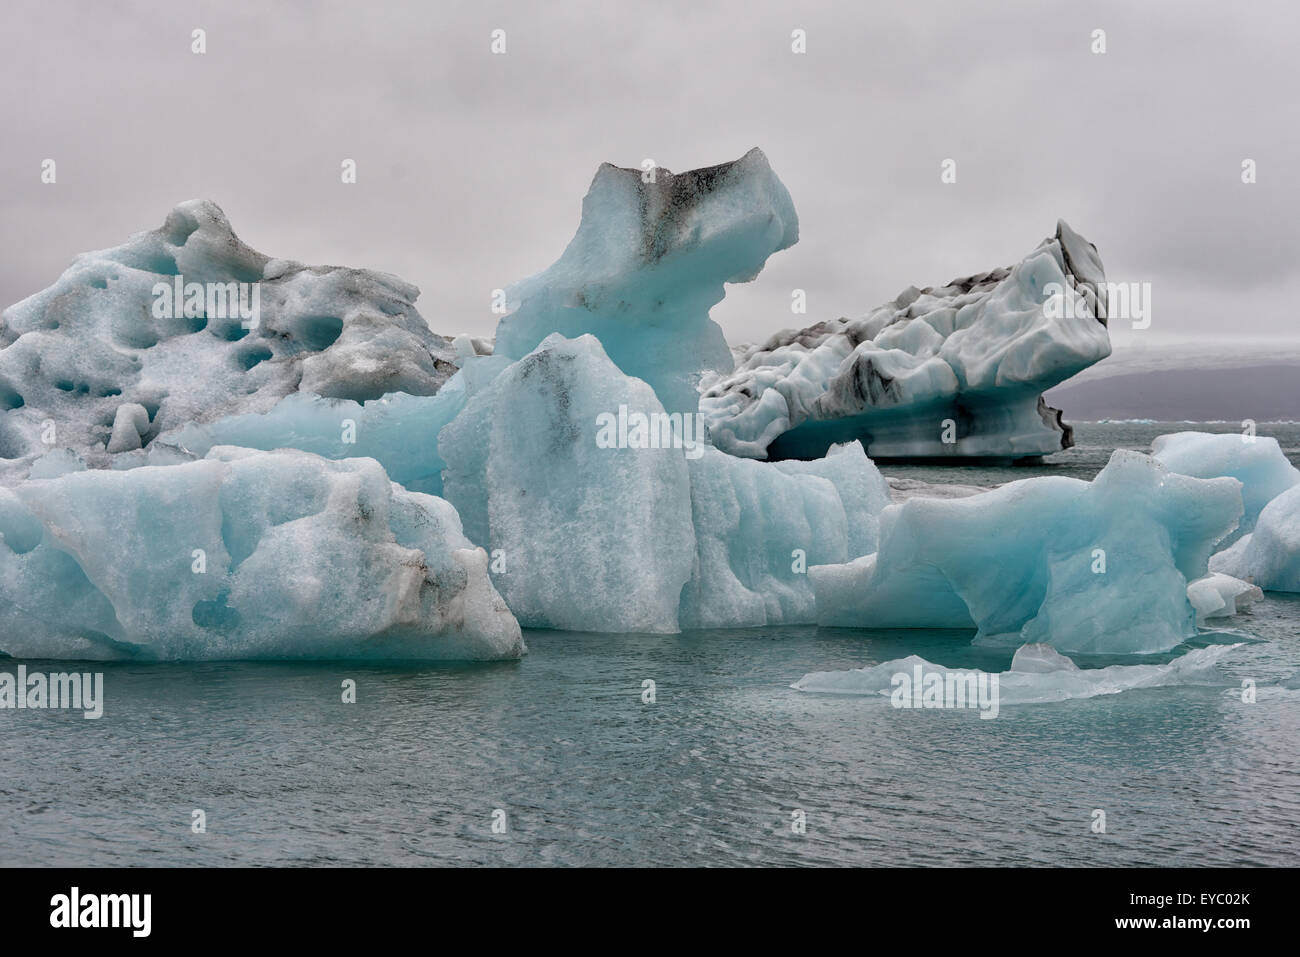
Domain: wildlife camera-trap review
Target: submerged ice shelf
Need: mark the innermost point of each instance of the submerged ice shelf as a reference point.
(1038, 675)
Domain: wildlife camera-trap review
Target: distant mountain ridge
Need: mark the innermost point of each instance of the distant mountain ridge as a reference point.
(1197, 381)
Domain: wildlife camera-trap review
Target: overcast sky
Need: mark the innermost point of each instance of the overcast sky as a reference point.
(472, 166)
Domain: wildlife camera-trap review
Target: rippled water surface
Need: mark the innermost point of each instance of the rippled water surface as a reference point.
(709, 773)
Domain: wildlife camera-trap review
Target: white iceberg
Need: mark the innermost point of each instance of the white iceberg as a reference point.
(1038, 675)
(955, 371)
(647, 264)
(1270, 555)
(243, 555)
(1096, 567)
(186, 324)
(1221, 596)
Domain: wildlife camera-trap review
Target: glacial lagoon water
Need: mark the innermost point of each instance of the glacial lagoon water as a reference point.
(710, 773)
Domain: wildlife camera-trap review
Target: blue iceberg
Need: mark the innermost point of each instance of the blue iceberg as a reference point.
(243, 554)
(1256, 461)
(649, 260)
(605, 512)
(1097, 567)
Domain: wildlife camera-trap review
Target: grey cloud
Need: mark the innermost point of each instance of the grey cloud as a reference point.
(472, 166)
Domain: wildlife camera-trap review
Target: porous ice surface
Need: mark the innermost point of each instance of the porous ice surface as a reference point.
(1270, 555)
(1038, 675)
(1257, 461)
(978, 351)
(1089, 567)
(88, 364)
(1221, 596)
(243, 554)
(654, 539)
(648, 262)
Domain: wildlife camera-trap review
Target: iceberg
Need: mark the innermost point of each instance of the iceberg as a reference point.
(186, 324)
(584, 538)
(759, 526)
(1256, 461)
(950, 372)
(1038, 675)
(1097, 567)
(589, 532)
(648, 262)
(1221, 596)
(243, 554)
(1270, 555)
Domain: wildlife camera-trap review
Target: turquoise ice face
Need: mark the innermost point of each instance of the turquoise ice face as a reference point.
(243, 554)
(1097, 567)
(650, 259)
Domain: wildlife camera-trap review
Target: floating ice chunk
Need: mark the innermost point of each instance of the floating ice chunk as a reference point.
(1035, 684)
(1221, 596)
(1256, 461)
(901, 489)
(1270, 556)
(1098, 567)
(649, 260)
(243, 555)
(948, 372)
(243, 331)
(1039, 658)
(593, 534)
